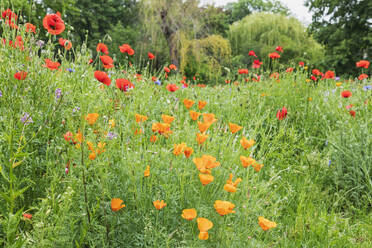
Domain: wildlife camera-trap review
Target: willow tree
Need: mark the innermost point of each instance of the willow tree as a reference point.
(206, 58)
(170, 18)
(262, 32)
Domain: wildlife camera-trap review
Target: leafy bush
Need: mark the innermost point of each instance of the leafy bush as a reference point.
(205, 58)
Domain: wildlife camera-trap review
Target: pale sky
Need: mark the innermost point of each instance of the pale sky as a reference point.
(296, 7)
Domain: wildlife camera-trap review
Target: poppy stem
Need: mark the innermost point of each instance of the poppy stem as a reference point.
(84, 182)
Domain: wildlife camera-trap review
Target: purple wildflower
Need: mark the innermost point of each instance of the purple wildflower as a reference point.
(26, 119)
(111, 135)
(58, 93)
(158, 82)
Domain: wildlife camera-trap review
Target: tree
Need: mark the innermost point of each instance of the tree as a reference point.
(263, 32)
(173, 18)
(242, 8)
(345, 28)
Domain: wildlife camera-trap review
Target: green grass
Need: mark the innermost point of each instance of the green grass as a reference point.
(313, 203)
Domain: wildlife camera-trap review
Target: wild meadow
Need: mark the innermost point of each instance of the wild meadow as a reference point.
(101, 153)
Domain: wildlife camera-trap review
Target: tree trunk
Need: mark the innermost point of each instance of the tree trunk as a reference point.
(170, 36)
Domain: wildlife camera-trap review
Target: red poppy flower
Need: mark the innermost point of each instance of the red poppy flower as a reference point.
(346, 94)
(352, 113)
(363, 63)
(274, 55)
(102, 77)
(313, 78)
(316, 72)
(125, 48)
(279, 49)
(329, 75)
(27, 216)
(251, 53)
(51, 65)
(107, 61)
(54, 24)
(90, 61)
(30, 28)
(9, 15)
(19, 43)
(289, 69)
(172, 87)
(172, 67)
(124, 84)
(150, 56)
(20, 75)
(301, 63)
(102, 48)
(281, 114)
(362, 76)
(243, 71)
(166, 69)
(256, 64)
(65, 43)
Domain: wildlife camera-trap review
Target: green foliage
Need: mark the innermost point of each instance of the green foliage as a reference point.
(344, 27)
(206, 58)
(240, 9)
(262, 32)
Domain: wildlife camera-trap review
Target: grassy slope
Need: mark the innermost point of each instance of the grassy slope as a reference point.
(296, 188)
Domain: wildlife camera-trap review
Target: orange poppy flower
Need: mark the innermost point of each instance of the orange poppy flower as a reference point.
(161, 128)
(167, 70)
(92, 118)
(246, 161)
(101, 147)
(206, 163)
(194, 115)
(167, 119)
(203, 126)
(230, 186)
(159, 204)
(107, 61)
(247, 143)
(234, 127)
(188, 151)
(79, 136)
(204, 225)
(206, 179)
(112, 123)
(201, 104)
(116, 204)
(363, 63)
(153, 139)
(265, 224)
(92, 156)
(51, 65)
(140, 118)
(178, 148)
(137, 131)
(102, 48)
(188, 103)
(200, 138)
(54, 24)
(147, 171)
(209, 118)
(224, 207)
(256, 166)
(189, 214)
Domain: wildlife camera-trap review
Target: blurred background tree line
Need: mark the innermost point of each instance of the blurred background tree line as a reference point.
(208, 40)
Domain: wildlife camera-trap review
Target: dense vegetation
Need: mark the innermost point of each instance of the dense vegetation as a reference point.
(110, 148)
